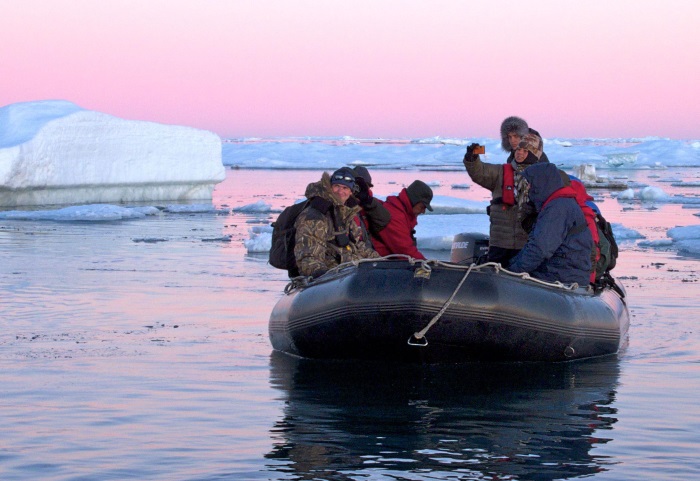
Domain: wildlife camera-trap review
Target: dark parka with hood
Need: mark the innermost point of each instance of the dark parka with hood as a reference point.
(317, 246)
(559, 246)
(506, 230)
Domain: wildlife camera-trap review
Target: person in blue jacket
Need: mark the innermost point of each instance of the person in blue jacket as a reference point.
(559, 246)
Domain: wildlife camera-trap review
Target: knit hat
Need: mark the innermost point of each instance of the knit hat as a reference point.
(344, 176)
(512, 125)
(419, 191)
(361, 171)
(533, 144)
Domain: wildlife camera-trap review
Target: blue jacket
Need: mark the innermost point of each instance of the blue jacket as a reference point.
(559, 246)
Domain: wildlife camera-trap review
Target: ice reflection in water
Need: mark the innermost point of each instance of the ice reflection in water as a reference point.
(126, 359)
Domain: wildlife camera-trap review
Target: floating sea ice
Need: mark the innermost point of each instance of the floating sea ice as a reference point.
(627, 194)
(652, 193)
(193, 209)
(690, 246)
(260, 239)
(259, 206)
(54, 152)
(149, 240)
(82, 213)
(146, 210)
(656, 243)
(686, 239)
(623, 233)
(618, 159)
(645, 194)
(442, 204)
(685, 184)
(684, 233)
(225, 238)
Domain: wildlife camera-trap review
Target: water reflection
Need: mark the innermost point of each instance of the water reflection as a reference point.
(476, 421)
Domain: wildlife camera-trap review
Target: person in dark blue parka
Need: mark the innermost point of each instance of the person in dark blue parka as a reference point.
(559, 246)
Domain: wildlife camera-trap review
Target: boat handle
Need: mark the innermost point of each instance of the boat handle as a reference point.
(415, 341)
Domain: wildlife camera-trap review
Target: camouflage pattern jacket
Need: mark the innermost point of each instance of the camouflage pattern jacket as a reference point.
(317, 248)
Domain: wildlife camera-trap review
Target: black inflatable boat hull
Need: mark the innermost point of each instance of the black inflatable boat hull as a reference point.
(371, 311)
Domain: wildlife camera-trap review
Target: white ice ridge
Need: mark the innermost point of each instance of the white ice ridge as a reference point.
(54, 152)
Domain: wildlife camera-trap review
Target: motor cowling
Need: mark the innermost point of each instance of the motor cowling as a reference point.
(469, 248)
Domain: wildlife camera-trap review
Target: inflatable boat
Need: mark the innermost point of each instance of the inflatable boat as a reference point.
(432, 311)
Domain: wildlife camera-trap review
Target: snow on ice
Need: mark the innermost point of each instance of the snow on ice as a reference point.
(54, 152)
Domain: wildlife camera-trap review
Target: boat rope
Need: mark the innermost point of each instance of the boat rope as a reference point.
(304, 281)
(425, 264)
(418, 338)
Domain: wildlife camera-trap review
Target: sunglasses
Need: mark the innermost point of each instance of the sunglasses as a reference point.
(346, 178)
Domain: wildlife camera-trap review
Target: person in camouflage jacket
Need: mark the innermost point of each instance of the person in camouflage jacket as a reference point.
(326, 232)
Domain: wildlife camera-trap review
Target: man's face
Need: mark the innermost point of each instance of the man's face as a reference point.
(419, 209)
(514, 139)
(343, 192)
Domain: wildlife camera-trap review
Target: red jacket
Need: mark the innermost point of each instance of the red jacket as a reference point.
(397, 237)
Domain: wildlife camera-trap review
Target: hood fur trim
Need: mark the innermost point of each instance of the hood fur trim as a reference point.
(512, 124)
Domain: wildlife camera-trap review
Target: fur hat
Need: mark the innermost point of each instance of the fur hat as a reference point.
(419, 191)
(509, 125)
(533, 144)
(344, 176)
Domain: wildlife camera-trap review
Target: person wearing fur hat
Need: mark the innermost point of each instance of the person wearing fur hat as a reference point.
(509, 200)
(399, 236)
(513, 131)
(326, 232)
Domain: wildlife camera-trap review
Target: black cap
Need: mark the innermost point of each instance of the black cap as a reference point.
(419, 191)
(344, 176)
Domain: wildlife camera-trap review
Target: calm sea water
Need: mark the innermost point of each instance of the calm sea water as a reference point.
(139, 350)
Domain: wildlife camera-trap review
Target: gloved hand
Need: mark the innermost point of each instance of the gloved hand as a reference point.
(470, 156)
(364, 196)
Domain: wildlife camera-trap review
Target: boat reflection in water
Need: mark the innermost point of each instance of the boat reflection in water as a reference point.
(354, 420)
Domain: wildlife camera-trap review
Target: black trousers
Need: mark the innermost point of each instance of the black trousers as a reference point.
(501, 255)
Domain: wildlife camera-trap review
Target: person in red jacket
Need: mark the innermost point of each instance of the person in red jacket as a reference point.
(398, 237)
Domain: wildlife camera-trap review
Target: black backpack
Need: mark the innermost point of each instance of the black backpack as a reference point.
(284, 239)
(284, 234)
(608, 248)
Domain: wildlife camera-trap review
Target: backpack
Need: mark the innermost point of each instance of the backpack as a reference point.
(608, 249)
(284, 234)
(284, 239)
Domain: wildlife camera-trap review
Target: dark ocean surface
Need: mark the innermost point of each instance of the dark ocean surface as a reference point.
(139, 350)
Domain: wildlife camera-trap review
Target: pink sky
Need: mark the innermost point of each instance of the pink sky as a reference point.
(399, 68)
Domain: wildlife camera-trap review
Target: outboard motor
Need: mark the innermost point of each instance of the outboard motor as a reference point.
(469, 248)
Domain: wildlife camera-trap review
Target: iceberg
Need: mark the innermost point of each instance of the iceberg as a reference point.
(55, 152)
